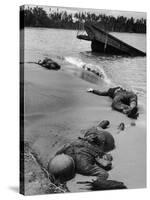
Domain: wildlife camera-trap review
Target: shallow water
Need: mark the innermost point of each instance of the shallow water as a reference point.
(72, 53)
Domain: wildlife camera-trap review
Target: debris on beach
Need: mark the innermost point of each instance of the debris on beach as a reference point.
(104, 124)
(49, 64)
(121, 127)
(100, 184)
(133, 123)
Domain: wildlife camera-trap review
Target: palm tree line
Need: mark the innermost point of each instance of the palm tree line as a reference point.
(38, 17)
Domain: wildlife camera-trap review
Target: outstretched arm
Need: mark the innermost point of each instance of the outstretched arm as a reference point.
(98, 92)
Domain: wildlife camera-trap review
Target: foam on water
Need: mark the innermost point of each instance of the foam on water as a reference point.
(77, 62)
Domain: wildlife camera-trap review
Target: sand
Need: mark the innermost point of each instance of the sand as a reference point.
(58, 108)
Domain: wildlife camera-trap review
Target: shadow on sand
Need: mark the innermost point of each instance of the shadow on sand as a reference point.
(14, 189)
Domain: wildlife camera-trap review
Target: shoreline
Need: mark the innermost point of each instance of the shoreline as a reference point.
(75, 29)
(58, 108)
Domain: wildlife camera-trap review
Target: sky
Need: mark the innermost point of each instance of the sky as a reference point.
(115, 13)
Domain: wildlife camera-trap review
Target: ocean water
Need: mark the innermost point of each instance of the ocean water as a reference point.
(72, 54)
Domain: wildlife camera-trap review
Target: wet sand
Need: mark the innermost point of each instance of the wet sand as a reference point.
(58, 108)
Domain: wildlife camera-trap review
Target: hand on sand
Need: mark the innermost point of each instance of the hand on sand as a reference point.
(126, 111)
(90, 90)
(104, 163)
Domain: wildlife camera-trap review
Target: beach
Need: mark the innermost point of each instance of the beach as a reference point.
(57, 109)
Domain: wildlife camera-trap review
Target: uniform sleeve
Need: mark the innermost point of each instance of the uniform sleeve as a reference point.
(63, 149)
(104, 93)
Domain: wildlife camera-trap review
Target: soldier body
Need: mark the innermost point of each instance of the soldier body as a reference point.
(123, 101)
(89, 150)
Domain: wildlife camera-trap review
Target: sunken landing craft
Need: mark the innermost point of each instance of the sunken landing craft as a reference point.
(103, 42)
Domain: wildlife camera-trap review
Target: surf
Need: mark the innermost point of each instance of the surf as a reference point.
(96, 69)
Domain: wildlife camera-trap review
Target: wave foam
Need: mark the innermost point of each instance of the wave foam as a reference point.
(80, 64)
(75, 61)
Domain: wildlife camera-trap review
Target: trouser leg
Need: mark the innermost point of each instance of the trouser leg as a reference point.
(126, 103)
(118, 105)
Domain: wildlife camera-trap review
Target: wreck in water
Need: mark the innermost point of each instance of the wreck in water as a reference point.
(105, 43)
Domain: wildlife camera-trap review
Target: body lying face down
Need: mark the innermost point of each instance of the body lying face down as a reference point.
(89, 156)
(90, 153)
(124, 101)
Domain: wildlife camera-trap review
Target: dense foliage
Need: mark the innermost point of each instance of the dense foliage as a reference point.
(38, 17)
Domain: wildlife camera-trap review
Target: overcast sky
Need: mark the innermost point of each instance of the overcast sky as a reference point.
(115, 13)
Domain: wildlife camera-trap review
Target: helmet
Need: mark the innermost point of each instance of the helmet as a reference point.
(102, 138)
(62, 167)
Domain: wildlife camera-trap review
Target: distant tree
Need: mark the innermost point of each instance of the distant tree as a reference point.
(38, 17)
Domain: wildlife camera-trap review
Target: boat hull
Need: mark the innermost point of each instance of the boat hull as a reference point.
(103, 42)
(100, 48)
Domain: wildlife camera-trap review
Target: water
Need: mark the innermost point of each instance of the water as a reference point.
(73, 54)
